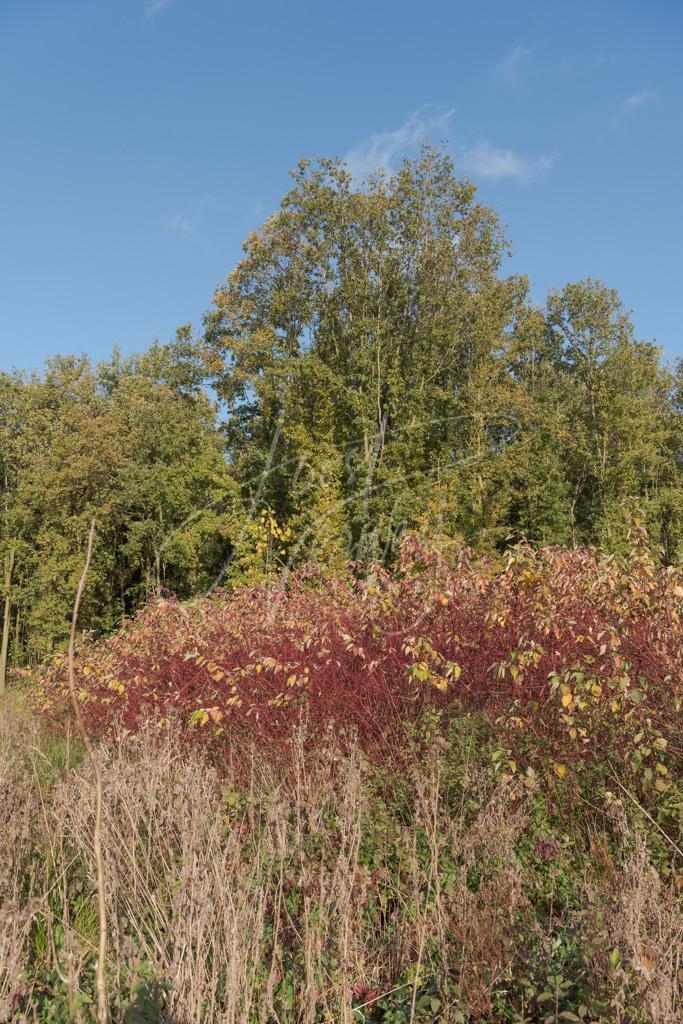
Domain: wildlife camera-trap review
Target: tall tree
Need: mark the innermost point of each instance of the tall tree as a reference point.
(362, 323)
(620, 412)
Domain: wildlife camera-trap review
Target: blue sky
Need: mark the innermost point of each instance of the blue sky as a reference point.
(143, 139)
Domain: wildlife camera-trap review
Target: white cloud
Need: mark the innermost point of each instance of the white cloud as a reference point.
(153, 7)
(487, 161)
(510, 66)
(633, 103)
(383, 150)
(183, 225)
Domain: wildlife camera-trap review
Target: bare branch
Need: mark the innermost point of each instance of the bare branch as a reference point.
(100, 981)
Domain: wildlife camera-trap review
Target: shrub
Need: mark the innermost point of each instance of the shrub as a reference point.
(576, 657)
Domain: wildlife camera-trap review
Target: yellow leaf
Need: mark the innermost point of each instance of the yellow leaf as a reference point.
(566, 700)
(560, 769)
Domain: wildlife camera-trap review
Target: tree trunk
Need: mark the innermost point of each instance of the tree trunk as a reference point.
(6, 622)
(16, 647)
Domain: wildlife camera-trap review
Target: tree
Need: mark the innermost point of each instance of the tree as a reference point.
(11, 427)
(363, 321)
(620, 413)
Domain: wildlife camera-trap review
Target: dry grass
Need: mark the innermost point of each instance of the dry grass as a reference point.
(293, 897)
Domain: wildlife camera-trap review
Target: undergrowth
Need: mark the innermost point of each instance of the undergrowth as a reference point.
(446, 793)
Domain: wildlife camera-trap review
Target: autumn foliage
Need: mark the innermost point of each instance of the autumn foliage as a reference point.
(570, 654)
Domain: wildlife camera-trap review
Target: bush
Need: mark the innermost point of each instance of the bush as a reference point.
(575, 656)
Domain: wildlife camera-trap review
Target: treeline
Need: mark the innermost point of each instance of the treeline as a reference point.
(365, 369)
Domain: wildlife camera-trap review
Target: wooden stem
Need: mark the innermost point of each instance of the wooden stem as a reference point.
(100, 980)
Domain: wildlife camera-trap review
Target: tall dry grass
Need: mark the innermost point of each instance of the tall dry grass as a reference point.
(267, 896)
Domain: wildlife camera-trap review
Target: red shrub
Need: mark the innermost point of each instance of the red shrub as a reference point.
(569, 646)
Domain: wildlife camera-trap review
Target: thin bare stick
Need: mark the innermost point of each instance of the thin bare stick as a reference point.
(100, 982)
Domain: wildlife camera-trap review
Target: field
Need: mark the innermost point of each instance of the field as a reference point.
(446, 792)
